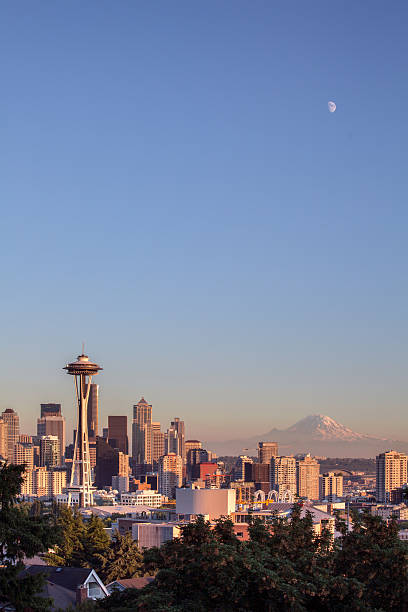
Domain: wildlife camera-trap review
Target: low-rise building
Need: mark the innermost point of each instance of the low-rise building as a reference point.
(214, 502)
(153, 499)
(149, 535)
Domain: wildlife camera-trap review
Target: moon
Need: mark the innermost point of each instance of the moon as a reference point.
(332, 106)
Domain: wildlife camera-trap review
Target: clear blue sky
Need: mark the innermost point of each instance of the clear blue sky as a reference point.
(175, 193)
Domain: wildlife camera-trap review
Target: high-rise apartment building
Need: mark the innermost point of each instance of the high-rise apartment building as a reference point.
(50, 452)
(3, 439)
(13, 429)
(157, 442)
(283, 474)
(170, 474)
(267, 450)
(48, 483)
(24, 453)
(142, 432)
(307, 477)
(391, 468)
(331, 486)
(52, 423)
(117, 433)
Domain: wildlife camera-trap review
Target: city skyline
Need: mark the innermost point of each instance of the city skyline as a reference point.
(248, 245)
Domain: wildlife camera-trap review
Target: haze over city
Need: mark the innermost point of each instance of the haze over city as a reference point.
(176, 193)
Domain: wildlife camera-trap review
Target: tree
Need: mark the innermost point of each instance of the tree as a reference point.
(285, 566)
(373, 555)
(79, 544)
(124, 559)
(70, 533)
(95, 544)
(21, 535)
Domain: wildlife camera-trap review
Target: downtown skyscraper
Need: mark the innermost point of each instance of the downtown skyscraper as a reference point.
(142, 432)
(52, 423)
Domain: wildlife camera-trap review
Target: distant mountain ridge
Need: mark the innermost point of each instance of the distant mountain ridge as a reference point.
(318, 434)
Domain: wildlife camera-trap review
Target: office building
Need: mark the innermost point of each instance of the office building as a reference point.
(109, 462)
(260, 472)
(120, 483)
(52, 423)
(92, 414)
(157, 442)
(117, 433)
(179, 427)
(202, 470)
(267, 450)
(3, 439)
(170, 474)
(142, 432)
(391, 472)
(50, 453)
(92, 417)
(283, 474)
(307, 478)
(48, 410)
(172, 442)
(192, 444)
(11, 417)
(243, 468)
(331, 486)
(153, 499)
(24, 453)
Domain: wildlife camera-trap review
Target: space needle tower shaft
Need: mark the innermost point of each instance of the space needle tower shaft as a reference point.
(80, 490)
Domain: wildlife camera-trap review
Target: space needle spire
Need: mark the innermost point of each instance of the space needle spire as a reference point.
(80, 490)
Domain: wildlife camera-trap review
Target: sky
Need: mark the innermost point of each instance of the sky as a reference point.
(175, 193)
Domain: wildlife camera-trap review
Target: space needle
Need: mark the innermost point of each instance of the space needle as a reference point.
(80, 490)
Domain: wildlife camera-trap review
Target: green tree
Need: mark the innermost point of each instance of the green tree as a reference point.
(373, 555)
(21, 535)
(95, 544)
(70, 530)
(124, 559)
(285, 566)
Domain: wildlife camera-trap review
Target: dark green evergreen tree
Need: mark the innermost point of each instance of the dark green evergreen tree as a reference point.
(95, 544)
(70, 529)
(21, 535)
(124, 559)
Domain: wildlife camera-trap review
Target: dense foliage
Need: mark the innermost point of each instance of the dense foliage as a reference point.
(86, 544)
(286, 567)
(23, 533)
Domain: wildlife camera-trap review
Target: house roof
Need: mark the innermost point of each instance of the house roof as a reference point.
(133, 583)
(68, 577)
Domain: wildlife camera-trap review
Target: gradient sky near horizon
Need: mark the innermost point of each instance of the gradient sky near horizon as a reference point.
(175, 193)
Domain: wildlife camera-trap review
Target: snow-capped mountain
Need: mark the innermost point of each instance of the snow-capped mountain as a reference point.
(322, 427)
(318, 434)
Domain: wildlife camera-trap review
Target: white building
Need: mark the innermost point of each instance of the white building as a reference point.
(153, 499)
(170, 474)
(283, 474)
(214, 502)
(154, 534)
